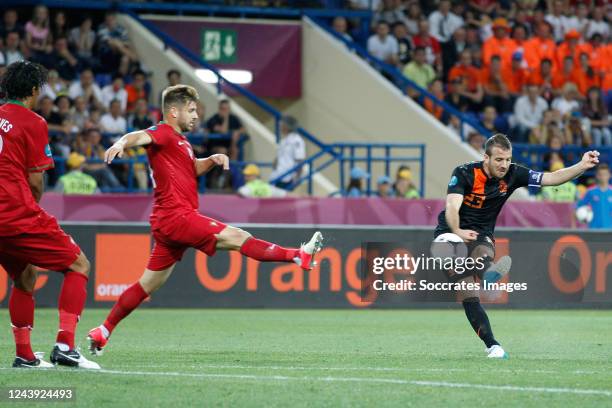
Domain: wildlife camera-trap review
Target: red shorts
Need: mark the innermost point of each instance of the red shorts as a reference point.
(172, 239)
(49, 248)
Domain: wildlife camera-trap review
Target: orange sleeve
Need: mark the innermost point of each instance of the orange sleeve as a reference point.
(487, 51)
(606, 83)
(535, 78)
(581, 81)
(453, 73)
(558, 80)
(560, 55)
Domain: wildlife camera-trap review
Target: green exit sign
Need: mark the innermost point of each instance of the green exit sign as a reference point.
(219, 45)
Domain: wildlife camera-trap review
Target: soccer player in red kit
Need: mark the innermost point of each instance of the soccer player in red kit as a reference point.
(176, 223)
(28, 235)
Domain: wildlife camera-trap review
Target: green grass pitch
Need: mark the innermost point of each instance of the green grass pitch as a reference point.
(402, 358)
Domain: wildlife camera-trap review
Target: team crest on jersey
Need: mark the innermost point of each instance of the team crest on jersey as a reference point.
(453, 181)
(503, 187)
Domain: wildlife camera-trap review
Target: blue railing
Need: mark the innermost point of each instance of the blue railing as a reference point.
(402, 82)
(345, 155)
(352, 154)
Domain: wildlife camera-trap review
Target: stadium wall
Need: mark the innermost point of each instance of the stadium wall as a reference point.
(154, 55)
(560, 269)
(291, 210)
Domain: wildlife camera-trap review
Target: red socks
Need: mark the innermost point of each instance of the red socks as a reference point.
(71, 303)
(128, 301)
(21, 309)
(266, 251)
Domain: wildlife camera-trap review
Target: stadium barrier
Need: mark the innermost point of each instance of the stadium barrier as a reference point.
(293, 210)
(559, 268)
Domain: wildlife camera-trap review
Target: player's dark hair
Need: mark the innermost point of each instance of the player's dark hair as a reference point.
(21, 78)
(172, 72)
(178, 95)
(497, 140)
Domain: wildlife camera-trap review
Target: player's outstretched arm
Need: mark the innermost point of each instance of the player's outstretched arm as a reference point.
(453, 204)
(132, 139)
(204, 165)
(589, 160)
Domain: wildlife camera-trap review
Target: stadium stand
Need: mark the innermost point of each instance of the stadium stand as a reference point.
(470, 66)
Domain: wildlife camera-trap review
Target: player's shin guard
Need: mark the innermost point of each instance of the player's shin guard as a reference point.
(71, 303)
(128, 301)
(21, 309)
(479, 320)
(267, 252)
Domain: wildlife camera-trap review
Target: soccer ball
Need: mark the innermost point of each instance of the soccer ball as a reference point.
(584, 214)
(448, 245)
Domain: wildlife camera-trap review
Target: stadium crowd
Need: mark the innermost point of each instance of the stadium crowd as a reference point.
(98, 90)
(537, 70)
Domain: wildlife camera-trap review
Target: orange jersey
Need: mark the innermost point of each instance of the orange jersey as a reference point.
(563, 50)
(585, 82)
(494, 46)
(515, 80)
(536, 78)
(470, 75)
(537, 49)
(561, 78)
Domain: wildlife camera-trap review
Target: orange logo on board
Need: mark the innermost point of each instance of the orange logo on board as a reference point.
(120, 261)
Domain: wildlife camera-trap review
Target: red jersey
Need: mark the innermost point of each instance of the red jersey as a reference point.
(24, 148)
(173, 172)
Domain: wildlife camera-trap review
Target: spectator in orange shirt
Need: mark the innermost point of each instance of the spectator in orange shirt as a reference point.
(469, 77)
(543, 78)
(601, 54)
(586, 77)
(515, 76)
(519, 36)
(571, 48)
(466, 71)
(437, 89)
(540, 47)
(499, 43)
(136, 90)
(496, 90)
(566, 74)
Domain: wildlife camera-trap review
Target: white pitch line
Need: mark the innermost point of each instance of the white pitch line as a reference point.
(383, 369)
(442, 384)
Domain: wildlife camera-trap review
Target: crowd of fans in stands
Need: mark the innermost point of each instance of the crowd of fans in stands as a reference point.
(537, 70)
(97, 90)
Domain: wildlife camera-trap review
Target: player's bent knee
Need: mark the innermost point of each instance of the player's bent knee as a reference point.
(232, 238)
(81, 265)
(26, 279)
(151, 281)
